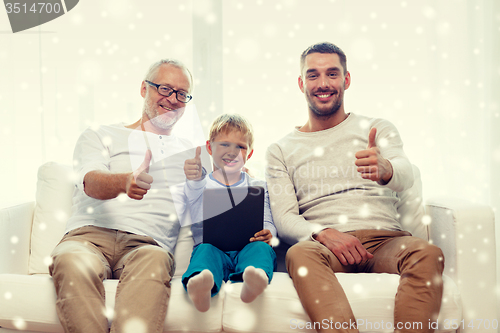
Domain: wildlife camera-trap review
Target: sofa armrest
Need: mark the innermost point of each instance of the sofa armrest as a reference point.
(465, 231)
(15, 231)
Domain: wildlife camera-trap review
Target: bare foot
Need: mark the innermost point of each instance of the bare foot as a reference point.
(199, 290)
(255, 280)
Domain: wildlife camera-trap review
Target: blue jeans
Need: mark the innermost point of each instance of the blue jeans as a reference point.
(230, 265)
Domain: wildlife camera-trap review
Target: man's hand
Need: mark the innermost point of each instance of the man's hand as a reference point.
(348, 249)
(264, 235)
(371, 164)
(192, 167)
(139, 182)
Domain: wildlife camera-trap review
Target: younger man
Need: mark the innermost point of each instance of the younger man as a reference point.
(230, 140)
(347, 169)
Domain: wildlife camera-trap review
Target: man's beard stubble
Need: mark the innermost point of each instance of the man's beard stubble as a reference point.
(328, 113)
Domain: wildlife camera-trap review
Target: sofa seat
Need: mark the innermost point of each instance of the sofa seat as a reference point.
(39, 315)
(278, 309)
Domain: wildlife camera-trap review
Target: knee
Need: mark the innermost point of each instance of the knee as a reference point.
(205, 247)
(428, 255)
(435, 255)
(302, 250)
(260, 246)
(77, 263)
(261, 249)
(68, 269)
(302, 253)
(154, 254)
(153, 258)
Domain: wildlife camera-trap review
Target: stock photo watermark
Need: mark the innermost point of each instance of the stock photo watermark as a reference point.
(27, 14)
(454, 324)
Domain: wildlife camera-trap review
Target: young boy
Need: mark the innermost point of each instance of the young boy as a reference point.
(230, 145)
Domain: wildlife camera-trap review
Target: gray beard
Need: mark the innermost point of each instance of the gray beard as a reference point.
(159, 123)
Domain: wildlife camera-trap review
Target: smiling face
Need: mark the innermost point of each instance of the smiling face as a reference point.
(323, 83)
(163, 112)
(230, 152)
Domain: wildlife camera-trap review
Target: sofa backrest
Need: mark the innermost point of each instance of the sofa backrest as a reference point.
(54, 194)
(411, 209)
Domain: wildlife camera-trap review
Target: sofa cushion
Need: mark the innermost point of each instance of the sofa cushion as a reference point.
(411, 208)
(279, 309)
(30, 305)
(54, 195)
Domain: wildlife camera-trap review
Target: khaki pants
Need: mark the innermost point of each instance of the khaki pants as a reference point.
(88, 255)
(419, 264)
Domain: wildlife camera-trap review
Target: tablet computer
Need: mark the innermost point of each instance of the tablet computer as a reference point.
(231, 216)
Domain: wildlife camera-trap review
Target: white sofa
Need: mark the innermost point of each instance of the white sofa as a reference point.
(464, 231)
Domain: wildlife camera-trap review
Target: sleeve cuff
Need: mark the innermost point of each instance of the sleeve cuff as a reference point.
(197, 184)
(399, 181)
(314, 234)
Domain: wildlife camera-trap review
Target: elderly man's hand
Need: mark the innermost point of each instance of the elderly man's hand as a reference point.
(192, 167)
(139, 181)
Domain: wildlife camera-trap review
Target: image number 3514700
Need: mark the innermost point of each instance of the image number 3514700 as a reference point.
(26, 14)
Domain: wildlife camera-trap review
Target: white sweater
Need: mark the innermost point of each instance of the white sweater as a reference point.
(118, 149)
(314, 184)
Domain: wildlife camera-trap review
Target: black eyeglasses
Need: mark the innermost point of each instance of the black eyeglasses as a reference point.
(166, 91)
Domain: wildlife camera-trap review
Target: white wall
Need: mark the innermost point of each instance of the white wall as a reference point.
(432, 68)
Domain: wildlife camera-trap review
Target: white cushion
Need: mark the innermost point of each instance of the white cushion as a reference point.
(15, 228)
(53, 207)
(279, 309)
(411, 208)
(183, 250)
(30, 305)
(276, 310)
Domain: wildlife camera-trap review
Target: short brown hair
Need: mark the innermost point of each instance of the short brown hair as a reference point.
(231, 122)
(324, 47)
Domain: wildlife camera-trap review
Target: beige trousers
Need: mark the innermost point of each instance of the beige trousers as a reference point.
(419, 264)
(88, 255)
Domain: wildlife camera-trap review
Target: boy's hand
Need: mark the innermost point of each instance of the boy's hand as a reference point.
(264, 235)
(192, 167)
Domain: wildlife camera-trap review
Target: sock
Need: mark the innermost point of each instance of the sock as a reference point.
(255, 280)
(199, 290)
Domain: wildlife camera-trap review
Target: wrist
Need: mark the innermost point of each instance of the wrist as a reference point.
(124, 181)
(320, 235)
(388, 175)
(203, 173)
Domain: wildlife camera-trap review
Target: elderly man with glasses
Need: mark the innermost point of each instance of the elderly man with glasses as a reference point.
(125, 218)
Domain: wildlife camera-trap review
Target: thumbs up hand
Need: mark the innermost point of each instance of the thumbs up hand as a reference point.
(371, 164)
(192, 167)
(139, 181)
(371, 138)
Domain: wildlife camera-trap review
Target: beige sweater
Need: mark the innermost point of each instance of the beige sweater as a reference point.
(313, 182)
